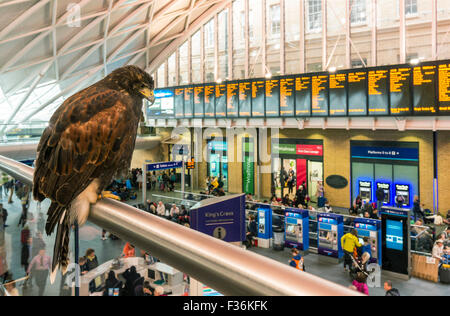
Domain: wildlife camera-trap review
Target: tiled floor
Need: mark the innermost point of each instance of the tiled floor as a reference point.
(90, 237)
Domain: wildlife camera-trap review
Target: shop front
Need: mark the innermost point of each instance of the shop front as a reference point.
(218, 160)
(296, 163)
(390, 166)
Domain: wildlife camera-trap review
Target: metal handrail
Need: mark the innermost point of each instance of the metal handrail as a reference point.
(226, 268)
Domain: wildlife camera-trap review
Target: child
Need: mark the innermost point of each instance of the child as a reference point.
(297, 260)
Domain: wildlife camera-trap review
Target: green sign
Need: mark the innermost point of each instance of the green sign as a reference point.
(284, 149)
(248, 168)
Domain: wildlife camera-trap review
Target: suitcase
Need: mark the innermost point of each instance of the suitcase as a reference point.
(444, 274)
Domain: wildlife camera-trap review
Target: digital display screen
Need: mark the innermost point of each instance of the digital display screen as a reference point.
(303, 96)
(338, 94)
(189, 102)
(378, 87)
(258, 96)
(210, 101)
(424, 89)
(287, 97)
(386, 187)
(401, 91)
(357, 95)
(232, 99)
(245, 99)
(365, 190)
(403, 190)
(444, 89)
(179, 102)
(394, 234)
(221, 100)
(164, 104)
(273, 98)
(319, 92)
(199, 101)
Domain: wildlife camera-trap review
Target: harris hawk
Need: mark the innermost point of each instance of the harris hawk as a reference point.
(90, 140)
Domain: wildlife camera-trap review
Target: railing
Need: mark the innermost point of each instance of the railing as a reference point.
(220, 265)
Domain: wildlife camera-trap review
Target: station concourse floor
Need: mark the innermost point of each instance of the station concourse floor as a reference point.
(90, 237)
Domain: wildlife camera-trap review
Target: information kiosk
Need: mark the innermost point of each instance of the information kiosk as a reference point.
(264, 226)
(297, 229)
(365, 190)
(396, 247)
(330, 232)
(370, 228)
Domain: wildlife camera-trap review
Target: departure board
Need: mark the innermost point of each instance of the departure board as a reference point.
(221, 100)
(424, 89)
(210, 101)
(273, 98)
(258, 98)
(319, 93)
(400, 91)
(444, 89)
(287, 97)
(357, 93)
(378, 92)
(189, 102)
(338, 94)
(303, 96)
(179, 103)
(232, 99)
(245, 99)
(199, 101)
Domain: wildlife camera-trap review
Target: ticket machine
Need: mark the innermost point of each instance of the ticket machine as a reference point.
(297, 229)
(264, 226)
(386, 187)
(330, 232)
(365, 190)
(404, 190)
(370, 228)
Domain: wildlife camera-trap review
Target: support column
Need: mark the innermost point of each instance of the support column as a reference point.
(324, 35)
(374, 59)
(402, 31)
(302, 37)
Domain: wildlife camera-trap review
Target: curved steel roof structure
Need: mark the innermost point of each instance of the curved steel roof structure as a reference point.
(50, 49)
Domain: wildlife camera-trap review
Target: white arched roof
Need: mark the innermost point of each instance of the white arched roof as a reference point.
(50, 49)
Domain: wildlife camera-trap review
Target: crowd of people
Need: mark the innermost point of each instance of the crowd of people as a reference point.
(163, 181)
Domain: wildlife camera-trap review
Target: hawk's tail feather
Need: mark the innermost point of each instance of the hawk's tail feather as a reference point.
(54, 213)
(61, 249)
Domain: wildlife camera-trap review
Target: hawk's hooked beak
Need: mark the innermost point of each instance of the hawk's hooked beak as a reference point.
(148, 94)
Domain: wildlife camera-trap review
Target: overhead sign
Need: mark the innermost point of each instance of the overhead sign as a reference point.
(310, 150)
(164, 165)
(389, 153)
(191, 164)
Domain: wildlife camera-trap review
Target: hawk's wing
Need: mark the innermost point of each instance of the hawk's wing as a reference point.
(83, 140)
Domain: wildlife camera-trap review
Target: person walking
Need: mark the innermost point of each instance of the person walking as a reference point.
(39, 269)
(348, 243)
(381, 195)
(390, 291)
(4, 215)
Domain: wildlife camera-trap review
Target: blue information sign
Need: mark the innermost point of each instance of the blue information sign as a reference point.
(222, 218)
(388, 153)
(164, 165)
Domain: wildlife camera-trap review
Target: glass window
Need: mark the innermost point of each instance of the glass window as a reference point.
(336, 34)
(196, 58)
(314, 15)
(410, 7)
(358, 12)
(292, 37)
(273, 37)
(172, 70)
(275, 20)
(223, 45)
(162, 76)
(238, 40)
(184, 63)
(256, 40)
(209, 30)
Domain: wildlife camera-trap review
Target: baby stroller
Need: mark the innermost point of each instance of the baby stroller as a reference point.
(357, 266)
